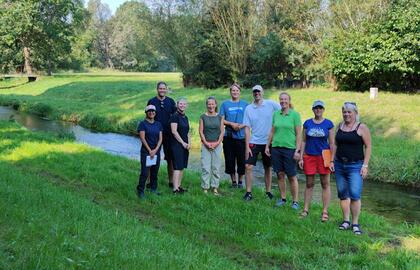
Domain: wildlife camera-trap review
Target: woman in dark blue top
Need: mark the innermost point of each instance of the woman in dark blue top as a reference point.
(351, 159)
(181, 143)
(150, 132)
(318, 137)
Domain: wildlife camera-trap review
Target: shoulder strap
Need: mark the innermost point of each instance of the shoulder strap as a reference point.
(358, 125)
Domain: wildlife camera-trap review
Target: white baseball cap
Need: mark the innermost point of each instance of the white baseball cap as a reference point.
(257, 88)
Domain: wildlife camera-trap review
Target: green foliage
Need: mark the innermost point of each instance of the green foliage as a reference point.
(268, 60)
(210, 67)
(45, 28)
(385, 55)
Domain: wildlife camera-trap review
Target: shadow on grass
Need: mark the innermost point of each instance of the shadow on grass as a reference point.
(13, 86)
(254, 235)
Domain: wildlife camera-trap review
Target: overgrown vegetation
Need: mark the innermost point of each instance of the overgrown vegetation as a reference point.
(59, 212)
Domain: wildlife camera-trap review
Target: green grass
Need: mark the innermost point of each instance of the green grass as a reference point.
(114, 101)
(66, 205)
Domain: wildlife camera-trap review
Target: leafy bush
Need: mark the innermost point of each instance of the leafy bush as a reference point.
(386, 56)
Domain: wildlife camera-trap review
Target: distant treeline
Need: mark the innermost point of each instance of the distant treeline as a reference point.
(353, 44)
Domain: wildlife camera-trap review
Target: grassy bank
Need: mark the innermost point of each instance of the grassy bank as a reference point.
(66, 205)
(115, 102)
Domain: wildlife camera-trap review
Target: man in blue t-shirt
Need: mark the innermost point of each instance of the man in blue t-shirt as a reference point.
(234, 139)
(165, 107)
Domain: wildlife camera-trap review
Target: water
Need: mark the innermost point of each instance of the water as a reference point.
(396, 203)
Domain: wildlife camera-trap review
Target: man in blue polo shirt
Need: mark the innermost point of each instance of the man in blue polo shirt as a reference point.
(165, 107)
(258, 119)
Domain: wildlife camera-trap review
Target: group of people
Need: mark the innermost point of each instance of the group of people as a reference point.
(263, 127)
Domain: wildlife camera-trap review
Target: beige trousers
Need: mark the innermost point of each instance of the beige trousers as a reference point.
(211, 161)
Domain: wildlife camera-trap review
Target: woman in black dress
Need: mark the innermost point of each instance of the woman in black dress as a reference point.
(181, 143)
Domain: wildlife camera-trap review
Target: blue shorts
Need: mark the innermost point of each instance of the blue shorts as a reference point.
(349, 180)
(282, 159)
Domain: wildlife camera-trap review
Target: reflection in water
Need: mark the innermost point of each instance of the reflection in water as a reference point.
(394, 202)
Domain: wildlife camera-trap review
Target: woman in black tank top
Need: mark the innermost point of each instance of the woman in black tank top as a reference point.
(351, 156)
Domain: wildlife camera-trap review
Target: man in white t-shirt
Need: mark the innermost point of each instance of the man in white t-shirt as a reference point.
(258, 122)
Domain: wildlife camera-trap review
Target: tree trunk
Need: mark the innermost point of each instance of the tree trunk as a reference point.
(49, 68)
(28, 63)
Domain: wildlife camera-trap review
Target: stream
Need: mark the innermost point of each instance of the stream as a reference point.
(396, 203)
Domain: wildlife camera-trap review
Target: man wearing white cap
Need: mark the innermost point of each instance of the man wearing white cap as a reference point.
(257, 121)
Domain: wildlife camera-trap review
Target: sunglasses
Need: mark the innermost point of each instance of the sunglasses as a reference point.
(318, 108)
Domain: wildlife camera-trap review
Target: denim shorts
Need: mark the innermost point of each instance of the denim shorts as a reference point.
(348, 179)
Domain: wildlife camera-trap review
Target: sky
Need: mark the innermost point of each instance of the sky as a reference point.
(113, 4)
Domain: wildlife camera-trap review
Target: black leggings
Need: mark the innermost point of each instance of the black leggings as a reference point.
(234, 151)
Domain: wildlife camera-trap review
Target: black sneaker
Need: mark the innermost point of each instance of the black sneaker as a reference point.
(234, 185)
(240, 185)
(182, 190)
(269, 195)
(176, 192)
(248, 196)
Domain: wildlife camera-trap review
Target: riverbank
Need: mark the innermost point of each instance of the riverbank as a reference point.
(68, 205)
(115, 102)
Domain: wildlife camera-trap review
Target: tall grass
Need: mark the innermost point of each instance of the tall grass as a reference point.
(65, 205)
(115, 102)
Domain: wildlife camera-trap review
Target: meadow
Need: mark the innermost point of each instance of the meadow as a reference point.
(68, 206)
(114, 101)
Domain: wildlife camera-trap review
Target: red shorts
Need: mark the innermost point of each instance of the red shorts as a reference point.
(314, 164)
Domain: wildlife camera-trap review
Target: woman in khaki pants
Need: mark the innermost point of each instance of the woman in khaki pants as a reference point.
(211, 131)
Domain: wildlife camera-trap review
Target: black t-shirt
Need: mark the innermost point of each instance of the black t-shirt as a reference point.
(183, 126)
(151, 132)
(164, 109)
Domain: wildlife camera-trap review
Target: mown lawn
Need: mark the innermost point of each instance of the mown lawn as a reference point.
(66, 205)
(115, 102)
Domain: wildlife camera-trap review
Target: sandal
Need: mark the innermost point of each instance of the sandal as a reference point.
(345, 225)
(356, 229)
(216, 192)
(324, 216)
(304, 214)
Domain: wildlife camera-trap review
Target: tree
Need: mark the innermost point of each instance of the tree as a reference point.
(42, 30)
(132, 42)
(99, 31)
(235, 21)
(383, 53)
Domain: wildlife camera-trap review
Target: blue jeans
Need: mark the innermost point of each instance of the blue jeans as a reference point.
(348, 179)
